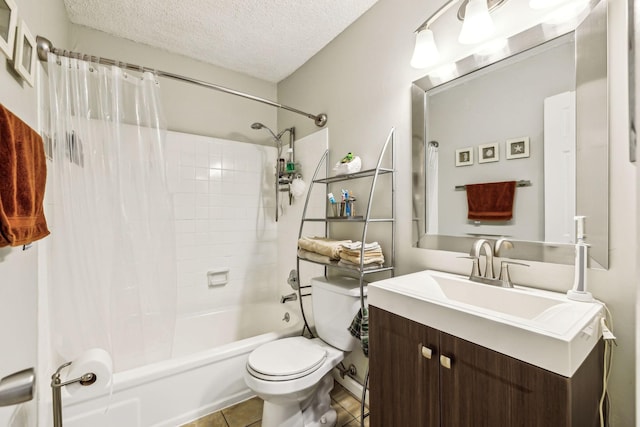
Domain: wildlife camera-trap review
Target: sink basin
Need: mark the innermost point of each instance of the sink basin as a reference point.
(540, 327)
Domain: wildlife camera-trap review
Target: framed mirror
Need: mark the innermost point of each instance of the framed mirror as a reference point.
(535, 114)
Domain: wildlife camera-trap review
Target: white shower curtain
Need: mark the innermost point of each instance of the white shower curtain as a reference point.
(112, 263)
(432, 188)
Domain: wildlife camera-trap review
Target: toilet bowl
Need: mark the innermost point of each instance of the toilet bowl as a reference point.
(293, 375)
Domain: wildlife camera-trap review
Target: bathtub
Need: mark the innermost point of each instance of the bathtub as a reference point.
(203, 376)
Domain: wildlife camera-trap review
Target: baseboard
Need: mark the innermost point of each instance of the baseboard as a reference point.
(352, 386)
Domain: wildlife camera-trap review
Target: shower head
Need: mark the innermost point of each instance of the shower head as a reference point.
(258, 125)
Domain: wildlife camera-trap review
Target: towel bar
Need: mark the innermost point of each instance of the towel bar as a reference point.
(521, 183)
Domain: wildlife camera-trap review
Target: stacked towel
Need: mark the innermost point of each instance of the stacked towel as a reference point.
(312, 256)
(359, 328)
(322, 246)
(23, 174)
(350, 254)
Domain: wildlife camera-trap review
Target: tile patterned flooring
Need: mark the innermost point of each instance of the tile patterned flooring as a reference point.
(249, 412)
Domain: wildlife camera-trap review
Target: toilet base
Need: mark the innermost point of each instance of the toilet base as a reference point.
(315, 411)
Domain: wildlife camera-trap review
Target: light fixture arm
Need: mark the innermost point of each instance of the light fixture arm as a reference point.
(437, 14)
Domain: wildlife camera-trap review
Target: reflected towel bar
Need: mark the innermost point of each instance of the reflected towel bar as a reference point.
(521, 183)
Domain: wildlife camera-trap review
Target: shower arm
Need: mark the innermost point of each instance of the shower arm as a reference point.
(44, 46)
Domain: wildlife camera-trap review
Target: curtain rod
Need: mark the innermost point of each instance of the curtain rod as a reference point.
(44, 46)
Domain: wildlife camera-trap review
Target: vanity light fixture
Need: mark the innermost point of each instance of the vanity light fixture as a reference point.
(477, 26)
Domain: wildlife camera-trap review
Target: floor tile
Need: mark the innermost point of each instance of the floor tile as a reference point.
(347, 401)
(244, 413)
(212, 420)
(344, 417)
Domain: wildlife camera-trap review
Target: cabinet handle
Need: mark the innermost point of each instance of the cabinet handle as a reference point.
(445, 362)
(425, 351)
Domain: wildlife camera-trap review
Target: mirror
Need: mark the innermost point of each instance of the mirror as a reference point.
(537, 115)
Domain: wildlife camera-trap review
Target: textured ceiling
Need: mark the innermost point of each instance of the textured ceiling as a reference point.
(268, 39)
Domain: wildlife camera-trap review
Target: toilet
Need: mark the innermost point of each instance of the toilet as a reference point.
(293, 375)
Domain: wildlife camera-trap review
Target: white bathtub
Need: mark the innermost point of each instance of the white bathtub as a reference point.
(203, 376)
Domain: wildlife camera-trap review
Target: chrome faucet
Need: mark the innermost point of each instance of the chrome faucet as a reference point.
(489, 277)
(476, 250)
(290, 297)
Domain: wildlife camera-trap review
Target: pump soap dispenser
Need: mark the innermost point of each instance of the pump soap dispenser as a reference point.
(579, 290)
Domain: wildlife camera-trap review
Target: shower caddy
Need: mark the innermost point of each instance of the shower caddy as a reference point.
(365, 220)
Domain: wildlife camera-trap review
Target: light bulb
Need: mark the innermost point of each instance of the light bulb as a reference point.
(425, 52)
(477, 25)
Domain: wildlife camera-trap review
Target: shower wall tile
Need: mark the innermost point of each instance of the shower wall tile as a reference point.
(223, 205)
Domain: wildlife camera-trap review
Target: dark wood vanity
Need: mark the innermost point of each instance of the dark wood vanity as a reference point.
(422, 377)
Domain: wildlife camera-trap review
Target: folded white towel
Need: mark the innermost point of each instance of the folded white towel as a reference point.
(322, 246)
(313, 256)
(358, 245)
(345, 263)
(376, 258)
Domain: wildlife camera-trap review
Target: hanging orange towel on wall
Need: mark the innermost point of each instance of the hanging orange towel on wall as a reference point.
(23, 175)
(492, 201)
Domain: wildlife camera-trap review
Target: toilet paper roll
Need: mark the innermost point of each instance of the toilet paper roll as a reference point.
(96, 361)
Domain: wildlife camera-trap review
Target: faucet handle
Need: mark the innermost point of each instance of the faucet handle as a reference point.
(475, 269)
(502, 243)
(505, 277)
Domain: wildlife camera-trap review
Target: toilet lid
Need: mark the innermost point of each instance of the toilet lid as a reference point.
(286, 359)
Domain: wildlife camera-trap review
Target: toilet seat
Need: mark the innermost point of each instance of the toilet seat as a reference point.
(286, 359)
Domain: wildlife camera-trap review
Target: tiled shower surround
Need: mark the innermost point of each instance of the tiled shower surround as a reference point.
(224, 206)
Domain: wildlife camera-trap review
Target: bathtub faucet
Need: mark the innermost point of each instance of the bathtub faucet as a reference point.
(291, 297)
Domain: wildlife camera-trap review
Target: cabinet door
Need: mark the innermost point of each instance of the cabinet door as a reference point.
(486, 388)
(403, 380)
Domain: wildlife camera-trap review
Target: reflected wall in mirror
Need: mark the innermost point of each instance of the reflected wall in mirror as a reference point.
(544, 107)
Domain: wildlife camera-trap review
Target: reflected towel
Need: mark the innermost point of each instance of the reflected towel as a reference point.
(322, 246)
(23, 175)
(491, 201)
(359, 328)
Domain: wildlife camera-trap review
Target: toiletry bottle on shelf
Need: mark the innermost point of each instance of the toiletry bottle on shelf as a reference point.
(281, 167)
(579, 290)
(291, 166)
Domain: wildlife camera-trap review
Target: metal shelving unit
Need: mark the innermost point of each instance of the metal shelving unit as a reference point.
(365, 220)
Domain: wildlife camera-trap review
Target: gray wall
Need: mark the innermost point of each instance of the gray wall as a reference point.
(187, 107)
(362, 81)
(19, 269)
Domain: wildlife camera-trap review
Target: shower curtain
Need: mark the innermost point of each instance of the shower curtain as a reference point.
(432, 189)
(112, 265)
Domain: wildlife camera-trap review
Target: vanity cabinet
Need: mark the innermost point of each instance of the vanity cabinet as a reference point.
(423, 377)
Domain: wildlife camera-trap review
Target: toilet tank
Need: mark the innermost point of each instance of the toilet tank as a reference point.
(335, 302)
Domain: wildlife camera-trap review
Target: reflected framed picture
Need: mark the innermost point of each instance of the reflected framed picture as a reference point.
(24, 60)
(517, 148)
(8, 19)
(488, 153)
(464, 156)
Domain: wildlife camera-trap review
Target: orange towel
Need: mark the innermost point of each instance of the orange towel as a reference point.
(23, 174)
(492, 201)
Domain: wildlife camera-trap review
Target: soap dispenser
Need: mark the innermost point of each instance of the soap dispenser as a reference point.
(579, 290)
